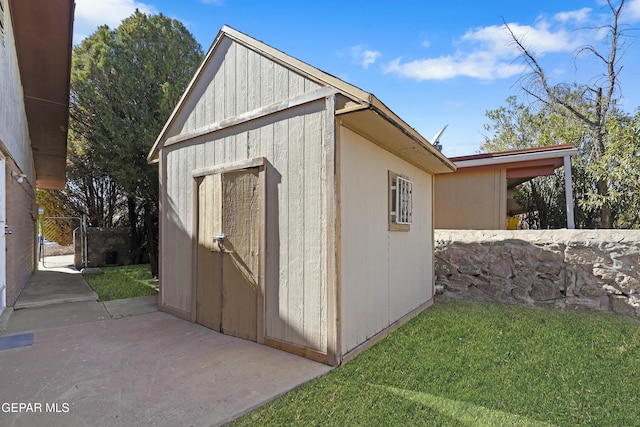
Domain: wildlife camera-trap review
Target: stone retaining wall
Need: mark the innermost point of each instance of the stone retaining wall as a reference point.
(578, 269)
(107, 246)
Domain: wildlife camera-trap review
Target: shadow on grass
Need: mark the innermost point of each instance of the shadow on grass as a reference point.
(464, 412)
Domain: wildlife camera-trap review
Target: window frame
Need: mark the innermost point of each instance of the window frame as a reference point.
(3, 23)
(393, 202)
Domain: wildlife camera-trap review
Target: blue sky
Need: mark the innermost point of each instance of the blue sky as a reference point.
(433, 63)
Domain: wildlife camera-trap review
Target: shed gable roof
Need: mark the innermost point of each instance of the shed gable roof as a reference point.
(364, 113)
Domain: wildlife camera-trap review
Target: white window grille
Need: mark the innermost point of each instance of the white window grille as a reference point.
(2, 24)
(402, 197)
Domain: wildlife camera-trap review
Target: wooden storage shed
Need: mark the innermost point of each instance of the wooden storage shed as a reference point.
(296, 209)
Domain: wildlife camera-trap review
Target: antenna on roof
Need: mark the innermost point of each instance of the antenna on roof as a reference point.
(436, 138)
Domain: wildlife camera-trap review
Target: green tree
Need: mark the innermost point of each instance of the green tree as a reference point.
(621, 165)
(517, 126)
(599, 97)
(92, 190)
(124, 84)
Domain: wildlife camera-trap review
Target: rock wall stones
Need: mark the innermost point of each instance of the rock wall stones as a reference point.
(107, 246)
(577, 269)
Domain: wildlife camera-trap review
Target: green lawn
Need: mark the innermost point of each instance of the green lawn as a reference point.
(463, 364)
(123, 282)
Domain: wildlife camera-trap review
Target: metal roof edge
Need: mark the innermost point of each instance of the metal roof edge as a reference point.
(516, 157)
(392, 117)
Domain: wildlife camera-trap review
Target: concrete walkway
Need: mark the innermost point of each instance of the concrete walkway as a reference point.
(55, 285)
(123, 363)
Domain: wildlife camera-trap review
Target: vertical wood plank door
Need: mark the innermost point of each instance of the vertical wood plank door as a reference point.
(240, 225)
(209, 258)
(227, 274)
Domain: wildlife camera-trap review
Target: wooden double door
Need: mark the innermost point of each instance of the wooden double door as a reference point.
(228, 252)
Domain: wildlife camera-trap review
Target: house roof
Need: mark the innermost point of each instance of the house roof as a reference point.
(43, 31)
(520, 164)
(366, 114)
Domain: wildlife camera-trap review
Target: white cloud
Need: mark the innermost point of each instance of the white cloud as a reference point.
(479, 65)
(581, 15)
(214, 2)
(90, 14)
(633, 10)
(426, 43)
(489, 53)
(540, 39)
(364, 57)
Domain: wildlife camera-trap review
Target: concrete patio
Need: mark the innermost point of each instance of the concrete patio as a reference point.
(123, 363)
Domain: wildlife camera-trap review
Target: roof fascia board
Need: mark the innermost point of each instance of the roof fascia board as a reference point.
(389, 115)
(516, 158)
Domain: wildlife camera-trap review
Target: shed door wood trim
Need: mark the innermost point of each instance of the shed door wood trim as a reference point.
(260, 219)
(332, 244)
(230, 167)
(267, 110)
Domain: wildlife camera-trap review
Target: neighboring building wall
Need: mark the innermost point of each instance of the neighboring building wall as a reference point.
(21, 217)
(14, 133)
(384, 274)
(575, 269)
(471, 200)
(292, 142)
(16, 146)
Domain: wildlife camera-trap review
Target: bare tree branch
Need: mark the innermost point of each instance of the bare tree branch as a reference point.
(602, 93)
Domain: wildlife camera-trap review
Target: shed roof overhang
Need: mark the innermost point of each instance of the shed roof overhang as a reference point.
(43, 31)
(380, 125)
(520, 165)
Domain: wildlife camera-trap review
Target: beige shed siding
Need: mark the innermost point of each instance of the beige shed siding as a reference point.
(471, 200)
(292, 141)
(241, 81)
(384, 274)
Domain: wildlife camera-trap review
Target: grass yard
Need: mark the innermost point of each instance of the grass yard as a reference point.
(123, 282)
(462, 364)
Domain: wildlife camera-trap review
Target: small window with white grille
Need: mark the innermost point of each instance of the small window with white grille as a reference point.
(400, 202)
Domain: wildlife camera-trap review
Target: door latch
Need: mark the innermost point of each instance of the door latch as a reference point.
(219, 239)
(7, 231)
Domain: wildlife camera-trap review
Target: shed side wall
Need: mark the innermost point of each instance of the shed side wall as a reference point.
(384, 274)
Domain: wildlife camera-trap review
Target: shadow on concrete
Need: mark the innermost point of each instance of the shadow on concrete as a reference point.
(54, 286)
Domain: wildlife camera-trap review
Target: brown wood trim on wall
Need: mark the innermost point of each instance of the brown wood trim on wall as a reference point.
(297, 350)
(261, 306)
(332, 240)
(175, 312)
